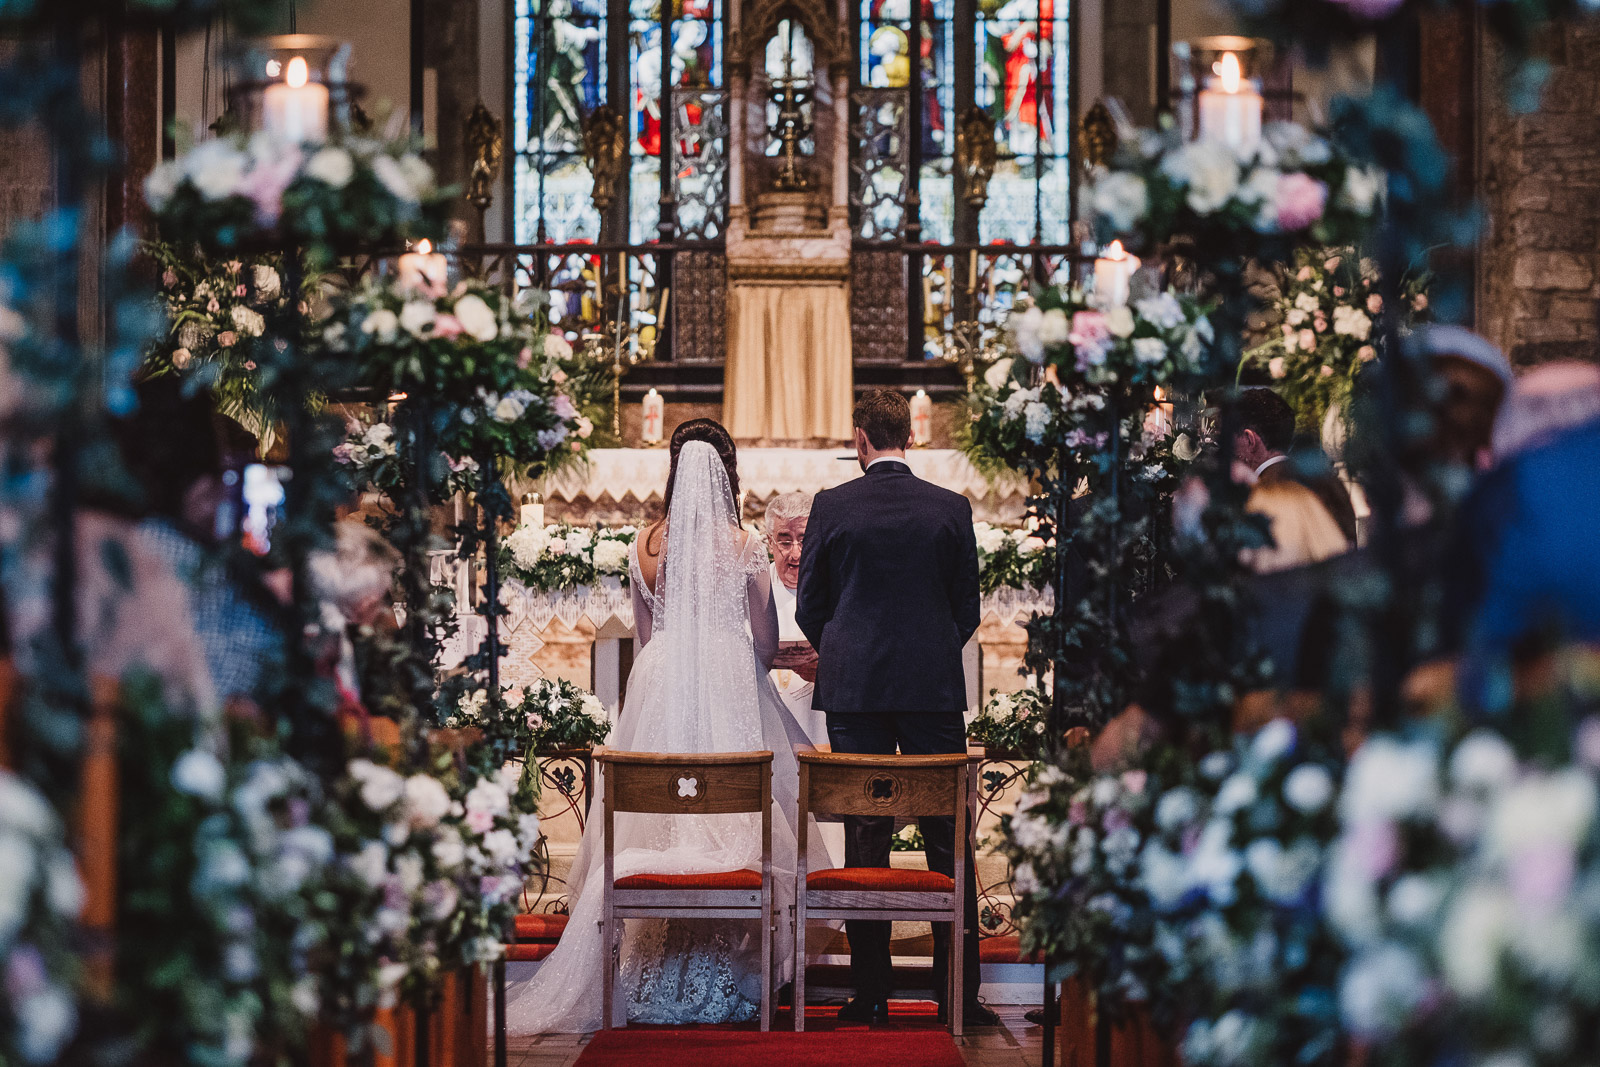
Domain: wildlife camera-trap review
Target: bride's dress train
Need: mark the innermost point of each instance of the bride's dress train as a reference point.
(699, 684)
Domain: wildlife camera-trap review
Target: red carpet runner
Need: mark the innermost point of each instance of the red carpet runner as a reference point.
(743, 1048)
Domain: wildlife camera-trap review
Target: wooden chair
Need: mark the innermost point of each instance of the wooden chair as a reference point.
(719, 783)
(837, 783)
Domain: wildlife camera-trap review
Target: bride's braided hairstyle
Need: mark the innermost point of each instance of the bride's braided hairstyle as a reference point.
(716, 435)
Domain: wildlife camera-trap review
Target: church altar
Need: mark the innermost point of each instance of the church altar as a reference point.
(765, 472)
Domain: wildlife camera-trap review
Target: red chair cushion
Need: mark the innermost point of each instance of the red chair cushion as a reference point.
(540, 927)
(1007, 949)
(880, 879)
(719, 880)
(528, 953)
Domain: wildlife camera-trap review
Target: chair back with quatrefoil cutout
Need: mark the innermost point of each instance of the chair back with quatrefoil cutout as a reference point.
(863, 785)
(709, 784)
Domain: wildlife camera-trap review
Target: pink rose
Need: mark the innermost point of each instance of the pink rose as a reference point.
(480, 821)
(1366, 353)
(1332, 264)
(1308, 341)
(1077, 813)
(524, 358)
(265, 184)
(447, 326)
(1420, 302)
(249, 364)
(181, 358)
(212, 306)
(226, 338)
(1326, 371)
(558, 376)
(1089, 328)
(240, 290)
(1374, 303)
(234, 266)
(169, 278)
(1300, 200)
(343, 453)
(1338, 290)
(1304, 274)
(1375, 846)
(1134, 781)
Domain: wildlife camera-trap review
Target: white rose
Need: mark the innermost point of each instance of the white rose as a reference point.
(1209, 170)
(1239, 791)
(199, 774)
(1273, 741)
(508, 409)
(1121, 199)
(248, 322)
(1352, 322)
(1119, 320)
(501, 846)
(381, 788)
(417, 316)
(998, 374)
(1149, 350)
(578, 542)
(1545, 809)
(592, 706)
(1054, 328)
(477, 319)
(332, 167)
(47, 1017)
(448, 849)
(1380, 990)
(556, 347)
(1162, 311)
(393, 178)
(217, 169)
(1308, 788)
(371, 864)
(427, 801)
(417, 172)
(1483, 761)
(267, 282)
(488, 796)
(381, 322)
(1026, 332)
(1390, 779)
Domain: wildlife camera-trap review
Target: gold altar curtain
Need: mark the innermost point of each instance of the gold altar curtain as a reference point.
(788, 375)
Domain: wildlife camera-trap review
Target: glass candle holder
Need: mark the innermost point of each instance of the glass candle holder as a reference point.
(296, 86)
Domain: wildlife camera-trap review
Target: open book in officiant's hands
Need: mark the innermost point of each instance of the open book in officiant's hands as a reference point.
(797, 656)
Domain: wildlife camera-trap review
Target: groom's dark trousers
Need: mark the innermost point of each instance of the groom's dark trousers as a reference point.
(866, 844)
(888, 597)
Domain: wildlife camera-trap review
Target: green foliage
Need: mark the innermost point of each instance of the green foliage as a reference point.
(558, 557)
(1014, 723)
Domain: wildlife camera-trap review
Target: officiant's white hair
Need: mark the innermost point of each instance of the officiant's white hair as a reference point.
(784, 509)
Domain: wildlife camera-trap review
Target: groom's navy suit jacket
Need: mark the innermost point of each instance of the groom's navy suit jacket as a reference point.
(888, 594)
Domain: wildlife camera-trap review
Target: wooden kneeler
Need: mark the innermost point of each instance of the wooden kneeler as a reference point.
(653, 783)
(837, 783)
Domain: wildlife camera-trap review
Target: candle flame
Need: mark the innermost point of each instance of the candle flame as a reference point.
(395, 398)
(424, 246)
(1228, 71)
(1115, 251)
(298, 73)
(1161, 394)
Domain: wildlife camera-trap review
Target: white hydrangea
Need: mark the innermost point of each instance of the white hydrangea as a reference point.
(1161, 310)
(381, 787)
(1390, 779)
(579, 541)
(998, 374)
(427, 801)
(331, 166)
(1037, 421)
(247, 321)
(1209, 171)
(216, 169)
(477, 318)
(1351, 322)
(1308, 788)
(199, 774)
(1120, 198)
(1149, 350)
(990, 538)
(417, 317)
(610, 556)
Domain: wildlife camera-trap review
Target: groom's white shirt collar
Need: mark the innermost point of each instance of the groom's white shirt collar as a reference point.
(886, 459)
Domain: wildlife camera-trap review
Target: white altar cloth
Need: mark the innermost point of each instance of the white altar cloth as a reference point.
(764, 472)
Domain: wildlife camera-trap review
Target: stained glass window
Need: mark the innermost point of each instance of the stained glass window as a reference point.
(1022, 83)
(560, 74)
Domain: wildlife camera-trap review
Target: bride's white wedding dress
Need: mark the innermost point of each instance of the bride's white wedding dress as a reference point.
(699, 684)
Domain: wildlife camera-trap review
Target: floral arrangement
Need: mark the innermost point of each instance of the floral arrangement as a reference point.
(475, 365)
(219, 310)
(40, 899)
(1295, 188)
(1240, 917)
(559, 556)
(1462, 885)
(552, 713)
(426, 874)
(1013, 723)
(239, 193)
(1011, 559)
(1074, 843)
(1327, 311)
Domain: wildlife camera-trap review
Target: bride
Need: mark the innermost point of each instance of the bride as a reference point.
(704, 616)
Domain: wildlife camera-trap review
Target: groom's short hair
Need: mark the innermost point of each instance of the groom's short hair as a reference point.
(885, 417)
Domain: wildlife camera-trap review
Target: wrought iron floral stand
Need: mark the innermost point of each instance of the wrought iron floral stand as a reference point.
(570, 773)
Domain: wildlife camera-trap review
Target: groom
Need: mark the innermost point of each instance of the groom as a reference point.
(888, 597)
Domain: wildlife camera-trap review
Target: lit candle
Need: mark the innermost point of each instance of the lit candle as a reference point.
(1158, 420)
(296, 110)
(1113, 275)
(532, 510)
(921, 419)
(655, 414)
(1230, 109)
(425, 270)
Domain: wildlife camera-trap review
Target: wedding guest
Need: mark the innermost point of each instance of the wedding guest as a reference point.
(1265, 444)
(171, 445)
(794, 671)
(1543, 404)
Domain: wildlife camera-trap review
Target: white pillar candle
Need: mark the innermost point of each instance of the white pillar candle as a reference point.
(1230, 109)
(1113, 275)
(296, 110)
(655, 414)
(921, 419)
(532, 510)
(425, 270)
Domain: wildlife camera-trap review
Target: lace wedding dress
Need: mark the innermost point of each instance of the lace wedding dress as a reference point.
(699, 684)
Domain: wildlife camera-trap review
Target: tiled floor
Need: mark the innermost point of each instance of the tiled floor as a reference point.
(1014, 1043)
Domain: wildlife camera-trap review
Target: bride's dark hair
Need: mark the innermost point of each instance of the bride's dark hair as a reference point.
(712, 433)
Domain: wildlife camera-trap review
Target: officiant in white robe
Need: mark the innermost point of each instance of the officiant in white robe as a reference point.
(795, 669)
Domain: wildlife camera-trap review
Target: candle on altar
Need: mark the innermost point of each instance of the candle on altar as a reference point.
(1113, 275)
(425, 270)
(972, 270)
(532, 510)
(1230, 108)
(655, 414)
(921, 419)
(296, 109)
(1158, 420)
